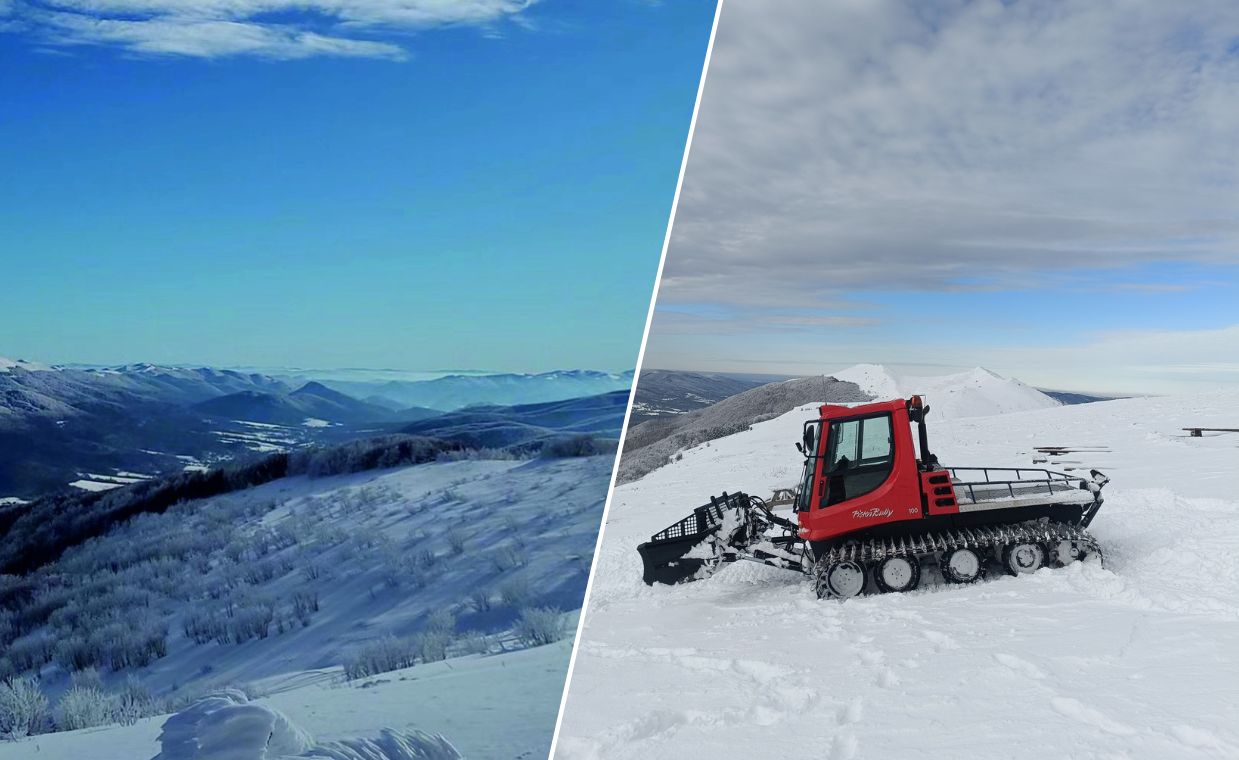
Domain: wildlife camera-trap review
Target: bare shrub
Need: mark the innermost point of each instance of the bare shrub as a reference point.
(516, 593)
(305, 604)
(507, 558)
(480, 600)
(83, 707)
(252, 621)
(133, 703)
(386, 654)
(540, 625)
(432, 645)
(475, 642)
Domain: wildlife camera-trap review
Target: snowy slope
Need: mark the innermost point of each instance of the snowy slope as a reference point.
(481, 704)
(378, 545)
(381, 553)
(975, 393)
(1136, 660)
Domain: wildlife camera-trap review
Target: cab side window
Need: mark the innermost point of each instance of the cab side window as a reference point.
(860, 456)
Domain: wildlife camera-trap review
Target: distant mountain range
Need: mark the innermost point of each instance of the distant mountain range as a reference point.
(528, 425)
(1071, 397)
(311, 404)
(456, 391)
(101, 427)
(669, 392)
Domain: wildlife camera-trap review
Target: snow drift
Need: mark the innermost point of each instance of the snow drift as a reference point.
(227, 726)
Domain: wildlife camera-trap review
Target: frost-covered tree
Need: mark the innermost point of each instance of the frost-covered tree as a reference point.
(133, 702)
(540, 625)
(83, 707)
(432, 645)
(23, 708)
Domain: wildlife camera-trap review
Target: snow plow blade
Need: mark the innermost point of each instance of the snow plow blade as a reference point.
(691, 548)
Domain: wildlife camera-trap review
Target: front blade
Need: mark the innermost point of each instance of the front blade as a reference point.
(691, 548)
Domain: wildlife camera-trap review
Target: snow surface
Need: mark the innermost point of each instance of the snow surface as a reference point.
(486, 706)
(975, 393)
(1136, 660)
(94, 485)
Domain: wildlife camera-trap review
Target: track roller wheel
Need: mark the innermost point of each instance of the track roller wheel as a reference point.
(843, 579)
(897, 574)
(1023, 557)
(962, 566)
(1065, 552)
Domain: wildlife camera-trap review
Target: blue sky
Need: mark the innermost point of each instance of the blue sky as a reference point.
(377, 184)
(1046, 189)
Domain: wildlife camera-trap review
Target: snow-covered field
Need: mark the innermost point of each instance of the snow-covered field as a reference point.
(364, 557)
(498, 706)
(1136, 660)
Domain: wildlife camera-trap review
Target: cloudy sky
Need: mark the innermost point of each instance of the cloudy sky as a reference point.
(1047, 189)
(410, 184)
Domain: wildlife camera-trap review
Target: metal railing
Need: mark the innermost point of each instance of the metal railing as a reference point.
(1045, 481)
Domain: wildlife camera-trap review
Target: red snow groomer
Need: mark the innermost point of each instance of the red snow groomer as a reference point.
(868, 507)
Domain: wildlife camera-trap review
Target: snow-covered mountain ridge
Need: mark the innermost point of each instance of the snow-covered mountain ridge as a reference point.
(977, 392)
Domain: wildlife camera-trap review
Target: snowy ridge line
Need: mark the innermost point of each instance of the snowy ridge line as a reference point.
(632, 393)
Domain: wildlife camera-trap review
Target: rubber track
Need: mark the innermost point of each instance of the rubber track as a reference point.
(982, 537)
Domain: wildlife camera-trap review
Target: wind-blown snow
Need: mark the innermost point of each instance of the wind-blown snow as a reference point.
(1135, 660)
(228, 726)
(975, 393)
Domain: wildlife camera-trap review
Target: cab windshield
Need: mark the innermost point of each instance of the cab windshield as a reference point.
(808, 444)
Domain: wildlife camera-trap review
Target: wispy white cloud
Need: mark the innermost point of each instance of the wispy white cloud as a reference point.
(897, 144)
(278, 29)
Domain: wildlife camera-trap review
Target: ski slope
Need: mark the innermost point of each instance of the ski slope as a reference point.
(1136, 660)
